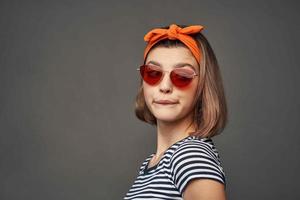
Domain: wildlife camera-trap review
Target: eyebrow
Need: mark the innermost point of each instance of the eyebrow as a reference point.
(180, 64)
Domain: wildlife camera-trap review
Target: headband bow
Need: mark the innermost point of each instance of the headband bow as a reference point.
(174, 33)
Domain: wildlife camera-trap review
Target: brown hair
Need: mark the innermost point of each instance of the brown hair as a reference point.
(210, 107)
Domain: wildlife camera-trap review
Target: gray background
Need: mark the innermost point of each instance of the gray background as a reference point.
(68, 81)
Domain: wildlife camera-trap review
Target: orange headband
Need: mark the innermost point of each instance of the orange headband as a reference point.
(173, 33)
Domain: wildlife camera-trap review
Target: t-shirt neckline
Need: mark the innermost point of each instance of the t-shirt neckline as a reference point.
(147, 170)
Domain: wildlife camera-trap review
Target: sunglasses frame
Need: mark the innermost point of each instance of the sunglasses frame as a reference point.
(164, 72)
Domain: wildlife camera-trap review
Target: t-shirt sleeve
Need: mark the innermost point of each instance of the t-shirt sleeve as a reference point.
(193, 161)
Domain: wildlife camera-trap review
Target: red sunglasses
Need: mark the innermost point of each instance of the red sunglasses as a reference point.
(180, 77)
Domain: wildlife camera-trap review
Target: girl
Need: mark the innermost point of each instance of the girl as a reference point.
(181, 93)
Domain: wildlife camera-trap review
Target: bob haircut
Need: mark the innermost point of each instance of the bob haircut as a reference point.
(210, 107)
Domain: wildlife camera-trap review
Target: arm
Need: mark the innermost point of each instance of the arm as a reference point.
(204, 189)
(197, 173)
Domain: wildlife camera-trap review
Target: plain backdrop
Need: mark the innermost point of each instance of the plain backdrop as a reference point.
(68, 82)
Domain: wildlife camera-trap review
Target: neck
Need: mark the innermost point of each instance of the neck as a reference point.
(169, 133)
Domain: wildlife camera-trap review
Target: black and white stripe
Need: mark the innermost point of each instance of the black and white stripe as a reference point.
(187, 159)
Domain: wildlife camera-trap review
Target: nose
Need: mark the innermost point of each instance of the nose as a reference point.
(165, 84)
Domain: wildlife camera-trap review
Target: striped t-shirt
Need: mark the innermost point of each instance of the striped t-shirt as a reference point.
(189, 158)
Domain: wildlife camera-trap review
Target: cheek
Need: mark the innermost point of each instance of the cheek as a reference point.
(188, 96)
(148, 94)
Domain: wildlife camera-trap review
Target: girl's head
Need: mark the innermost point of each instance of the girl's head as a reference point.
(197, 97)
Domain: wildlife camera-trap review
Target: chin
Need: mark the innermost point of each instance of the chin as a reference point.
(166, 120)
(167, 117)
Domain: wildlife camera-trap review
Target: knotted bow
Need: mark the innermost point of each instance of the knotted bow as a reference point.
(174, 33)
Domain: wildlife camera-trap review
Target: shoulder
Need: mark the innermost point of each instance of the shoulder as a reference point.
(196, 158)
(195, 146)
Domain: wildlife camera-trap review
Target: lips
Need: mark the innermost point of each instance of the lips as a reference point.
(165, 102)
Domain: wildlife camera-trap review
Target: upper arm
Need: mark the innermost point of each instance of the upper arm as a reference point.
(204, 189)
(196, 171)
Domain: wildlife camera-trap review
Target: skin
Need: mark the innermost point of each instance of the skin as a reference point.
(204, 189)
(173, 120)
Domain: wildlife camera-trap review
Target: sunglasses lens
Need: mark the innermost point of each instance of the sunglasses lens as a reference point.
(150, 74)
(182, 77)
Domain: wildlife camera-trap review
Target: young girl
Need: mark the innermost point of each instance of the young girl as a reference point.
(181, 93)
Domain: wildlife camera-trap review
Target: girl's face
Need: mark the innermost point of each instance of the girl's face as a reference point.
(182, 98)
